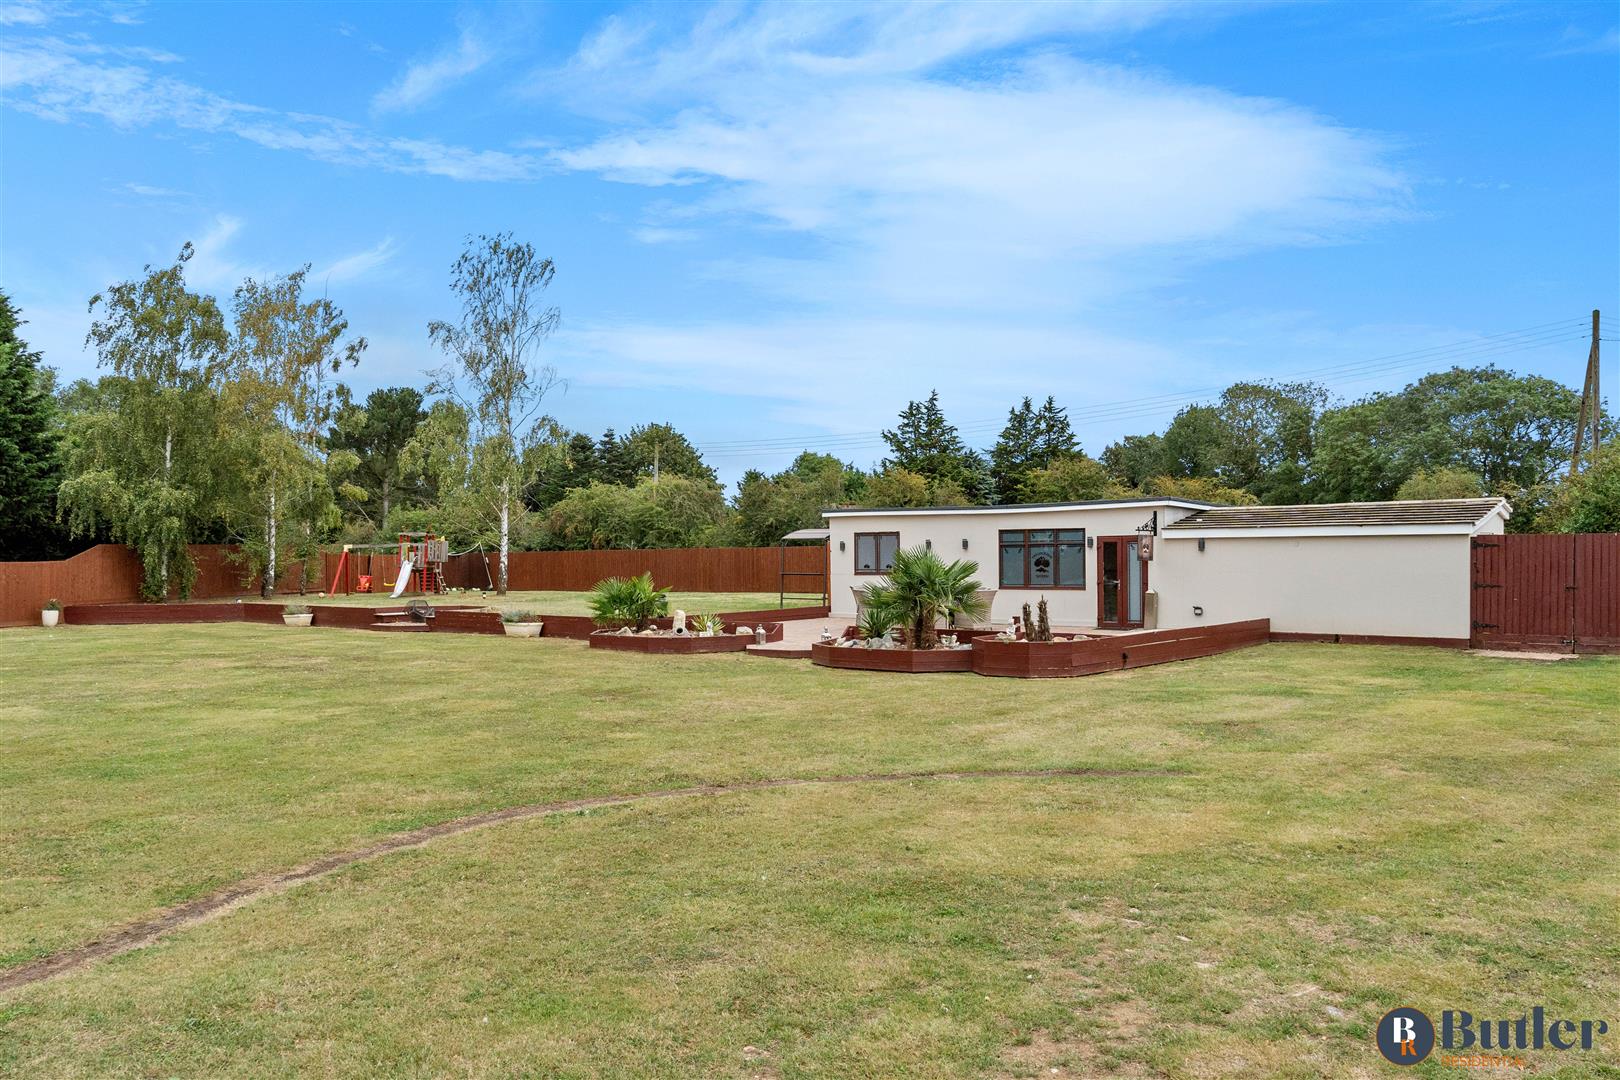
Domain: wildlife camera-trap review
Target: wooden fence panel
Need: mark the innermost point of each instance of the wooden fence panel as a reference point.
(1597, 592)
(105, 574)
(1558, 592)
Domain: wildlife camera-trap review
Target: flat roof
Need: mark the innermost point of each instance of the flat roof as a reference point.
(1365, 515)
(1010, 508)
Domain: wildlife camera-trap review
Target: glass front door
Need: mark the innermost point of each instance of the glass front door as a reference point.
(1122, 576)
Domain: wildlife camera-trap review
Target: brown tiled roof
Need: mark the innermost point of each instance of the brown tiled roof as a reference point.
(1322, 515)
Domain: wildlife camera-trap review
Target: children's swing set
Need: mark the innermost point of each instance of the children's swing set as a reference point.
(421, 566)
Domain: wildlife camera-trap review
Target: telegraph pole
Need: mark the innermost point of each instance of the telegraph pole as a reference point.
(1591, 403)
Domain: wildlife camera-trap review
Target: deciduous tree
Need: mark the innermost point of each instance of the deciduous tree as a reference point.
(143, 464)
(280, 395)
(495, 375)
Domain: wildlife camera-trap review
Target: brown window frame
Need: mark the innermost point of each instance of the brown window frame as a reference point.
(1055, 544)
(877, 551)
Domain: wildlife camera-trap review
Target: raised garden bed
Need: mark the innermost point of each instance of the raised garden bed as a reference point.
(1115, 652)
(910, 661)
(669, 643)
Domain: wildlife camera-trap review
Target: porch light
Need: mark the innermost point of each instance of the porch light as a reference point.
(840, 545)
(1091, 541)
(964, 543)
(928, 545)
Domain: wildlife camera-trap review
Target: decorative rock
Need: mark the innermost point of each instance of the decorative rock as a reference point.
(678, 624)
(745, 630)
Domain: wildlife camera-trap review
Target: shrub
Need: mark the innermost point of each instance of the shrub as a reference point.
(53, 604)
(708, 624)
(1443, 483)
(519, 616)
(627, 600)
(295, 609)
(875, 623)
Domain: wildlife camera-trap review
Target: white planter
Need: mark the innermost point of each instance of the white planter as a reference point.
(49, 618)
(523, 629)
(299, 620)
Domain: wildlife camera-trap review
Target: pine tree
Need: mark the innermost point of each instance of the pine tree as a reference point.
(1014, 454)
(1053, 436)
(612, 466)
(925, 443)
(1033, 439)
(30, 464)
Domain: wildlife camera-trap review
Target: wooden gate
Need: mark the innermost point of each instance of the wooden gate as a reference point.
(1556, 592)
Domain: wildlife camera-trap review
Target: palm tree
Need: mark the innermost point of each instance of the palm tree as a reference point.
(921, 588)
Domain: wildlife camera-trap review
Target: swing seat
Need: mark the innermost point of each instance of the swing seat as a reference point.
(363, 583)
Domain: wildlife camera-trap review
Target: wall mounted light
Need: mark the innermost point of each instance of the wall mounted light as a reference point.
(1198, 611)
(1200, 543)
(840, 545)
(928, 545)
(964, 543)
(1091, 541)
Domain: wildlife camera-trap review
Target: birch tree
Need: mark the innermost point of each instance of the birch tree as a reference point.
(281, 396)
(142, 464)
(494, 374)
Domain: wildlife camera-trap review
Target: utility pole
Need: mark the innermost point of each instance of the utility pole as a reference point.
(1591, 403)
(656, 448)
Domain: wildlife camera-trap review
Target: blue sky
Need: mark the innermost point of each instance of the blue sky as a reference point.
(773, 225)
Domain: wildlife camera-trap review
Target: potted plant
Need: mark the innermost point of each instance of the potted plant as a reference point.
(297, 615)
(921, 588)
(628, 602)
(708, 625)
(51, 613)
(521, 624)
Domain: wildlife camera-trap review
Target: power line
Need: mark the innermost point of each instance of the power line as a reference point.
(1506, 342)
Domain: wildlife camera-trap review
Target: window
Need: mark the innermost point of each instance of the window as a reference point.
(874, 552)
(1043, 558)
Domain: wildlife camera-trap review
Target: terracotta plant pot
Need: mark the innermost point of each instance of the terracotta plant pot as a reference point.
(523, 629)
(299, 620)
(49, 617)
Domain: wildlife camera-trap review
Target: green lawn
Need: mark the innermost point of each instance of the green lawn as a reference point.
(567, 603)
(1303, 837)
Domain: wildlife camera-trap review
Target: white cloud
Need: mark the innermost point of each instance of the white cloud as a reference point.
(944, 195)
(151, 191)
(426, 79)
(24, 13)
(61, 81)
(938, 176)
(355, 266)
(213, 268)
(1576, 42)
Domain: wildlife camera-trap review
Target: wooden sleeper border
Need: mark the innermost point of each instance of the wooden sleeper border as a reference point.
(1054, 659)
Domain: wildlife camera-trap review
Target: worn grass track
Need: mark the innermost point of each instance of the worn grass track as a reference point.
(193, 912)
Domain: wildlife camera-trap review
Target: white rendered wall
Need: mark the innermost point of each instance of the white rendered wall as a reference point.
(1388, 586)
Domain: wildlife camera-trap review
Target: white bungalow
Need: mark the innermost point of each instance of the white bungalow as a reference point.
(1396, 571)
